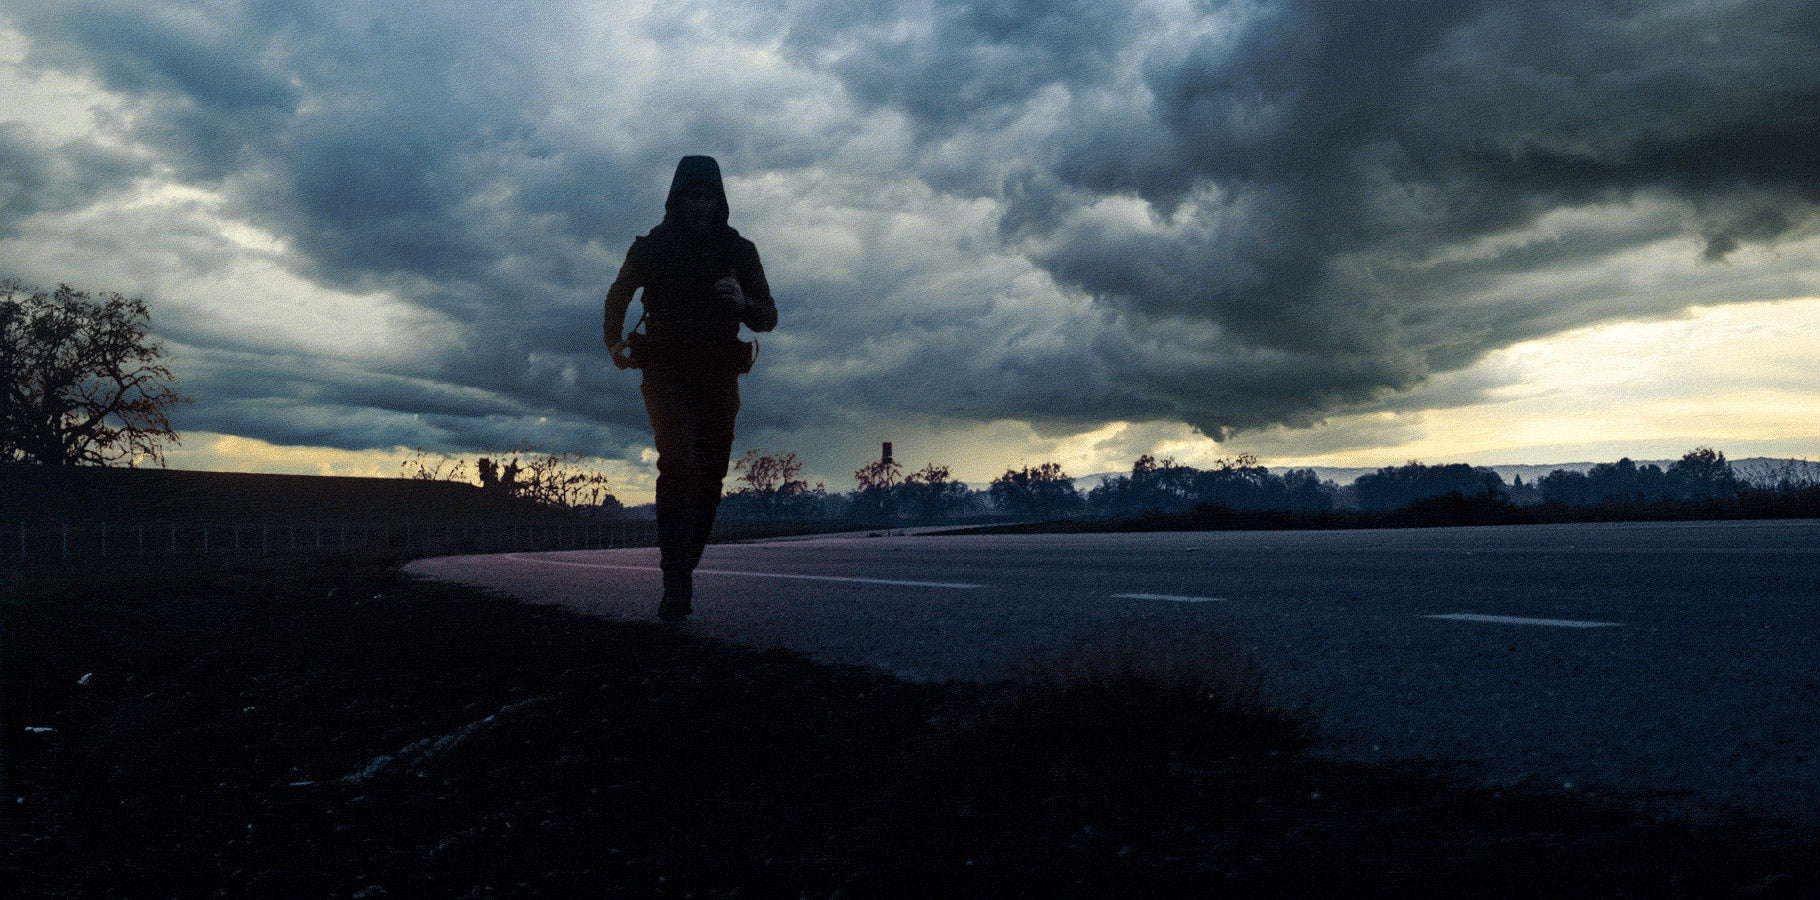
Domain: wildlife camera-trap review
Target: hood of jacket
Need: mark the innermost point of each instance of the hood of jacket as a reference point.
(697, 172)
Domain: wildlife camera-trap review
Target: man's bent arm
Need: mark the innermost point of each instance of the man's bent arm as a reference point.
(619, 296)
(760, 311)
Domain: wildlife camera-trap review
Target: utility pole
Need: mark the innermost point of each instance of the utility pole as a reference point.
(890, 498)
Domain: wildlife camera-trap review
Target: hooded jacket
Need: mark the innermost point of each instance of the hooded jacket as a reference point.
(677, 268)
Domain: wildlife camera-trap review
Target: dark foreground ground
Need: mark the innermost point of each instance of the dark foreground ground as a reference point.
(336, 730)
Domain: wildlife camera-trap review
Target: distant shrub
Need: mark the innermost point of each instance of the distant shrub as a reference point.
(1043, 491)
(1396, 487)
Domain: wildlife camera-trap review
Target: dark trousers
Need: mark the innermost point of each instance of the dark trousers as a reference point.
(692, 412)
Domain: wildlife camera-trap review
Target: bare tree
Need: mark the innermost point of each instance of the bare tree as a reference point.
(547, 477)
(560, 480)
(774, 488)
(881, 475)
(875, 498)
(80, 382)
(420, 467)
(767, 474)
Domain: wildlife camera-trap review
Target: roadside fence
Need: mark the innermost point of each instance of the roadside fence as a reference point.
(27, 541)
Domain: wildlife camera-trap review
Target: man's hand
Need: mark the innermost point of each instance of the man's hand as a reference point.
(618, 350)
(727, 290)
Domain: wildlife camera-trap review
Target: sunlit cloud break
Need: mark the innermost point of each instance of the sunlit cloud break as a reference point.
(364, 226)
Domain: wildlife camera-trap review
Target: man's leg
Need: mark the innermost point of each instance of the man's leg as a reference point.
(675, 421)
(713, 449)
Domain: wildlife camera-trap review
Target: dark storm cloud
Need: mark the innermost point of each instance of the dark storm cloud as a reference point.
(289, 399)
(1309, 164)
(1278, 210)
(165, 48)
(951, 62)
(394, 147)
(35, 177)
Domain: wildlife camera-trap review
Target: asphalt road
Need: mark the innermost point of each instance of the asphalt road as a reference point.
(1675, 665)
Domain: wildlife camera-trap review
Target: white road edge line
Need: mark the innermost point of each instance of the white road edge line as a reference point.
(931, 584)
(1513, 620)
(1171, 598)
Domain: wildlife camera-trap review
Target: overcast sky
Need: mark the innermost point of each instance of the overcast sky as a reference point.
(998, 232)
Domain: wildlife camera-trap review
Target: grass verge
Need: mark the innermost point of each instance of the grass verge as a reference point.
(337, 729)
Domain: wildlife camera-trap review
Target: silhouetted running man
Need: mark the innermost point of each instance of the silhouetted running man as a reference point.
(701, 280)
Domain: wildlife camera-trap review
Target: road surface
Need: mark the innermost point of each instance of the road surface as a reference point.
(1674, 664)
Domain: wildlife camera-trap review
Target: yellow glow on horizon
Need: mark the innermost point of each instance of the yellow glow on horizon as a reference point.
(632, 483)
(1720, 376)
(209, 452)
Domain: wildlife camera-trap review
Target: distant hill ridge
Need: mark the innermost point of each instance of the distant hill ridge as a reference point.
(1757, 469)
(94, 493)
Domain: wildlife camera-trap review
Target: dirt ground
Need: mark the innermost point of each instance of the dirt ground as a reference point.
(333, 729)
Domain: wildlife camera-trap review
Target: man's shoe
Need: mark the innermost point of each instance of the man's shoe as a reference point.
(679, 590)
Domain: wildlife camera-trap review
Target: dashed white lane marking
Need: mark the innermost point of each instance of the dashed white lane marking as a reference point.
(933, 584)
(1168, 598)
(1513, 620)
(846, 578)
(1171, 598)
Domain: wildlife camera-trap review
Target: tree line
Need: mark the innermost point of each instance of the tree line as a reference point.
(769, 487)
(1702, 474)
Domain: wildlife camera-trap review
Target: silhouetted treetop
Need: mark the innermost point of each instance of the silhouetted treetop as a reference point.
(80, 380)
